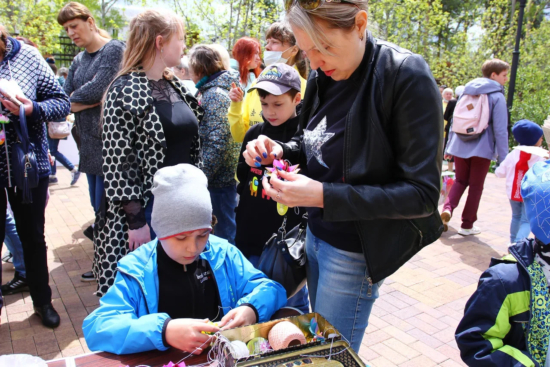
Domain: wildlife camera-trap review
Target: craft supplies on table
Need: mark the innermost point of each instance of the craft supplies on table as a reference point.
(308, 340)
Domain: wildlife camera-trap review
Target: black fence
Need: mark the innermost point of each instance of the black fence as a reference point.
(68, 52)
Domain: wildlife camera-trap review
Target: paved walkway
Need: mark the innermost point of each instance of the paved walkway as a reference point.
(412, 323)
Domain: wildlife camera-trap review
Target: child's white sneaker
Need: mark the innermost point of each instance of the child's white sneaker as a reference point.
(468, 232)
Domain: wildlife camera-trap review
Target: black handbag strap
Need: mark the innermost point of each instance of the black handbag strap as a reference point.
(21, 129)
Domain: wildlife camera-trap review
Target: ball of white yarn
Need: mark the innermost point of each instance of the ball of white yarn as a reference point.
(239, 349)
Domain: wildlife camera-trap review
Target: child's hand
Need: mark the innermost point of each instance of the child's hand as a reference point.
(448, 157)
(236, 94)
(239, 316)
(185, 334)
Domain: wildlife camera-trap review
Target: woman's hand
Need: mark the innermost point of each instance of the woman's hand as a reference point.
(13, 108)
(262, 151)
(185, 334)
(297, 190)
(236, 94)
(138, 237)
(240, 316)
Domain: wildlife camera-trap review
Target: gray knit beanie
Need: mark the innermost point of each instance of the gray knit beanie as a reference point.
(182, 201)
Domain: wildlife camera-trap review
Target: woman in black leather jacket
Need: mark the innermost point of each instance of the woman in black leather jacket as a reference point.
(371, 136)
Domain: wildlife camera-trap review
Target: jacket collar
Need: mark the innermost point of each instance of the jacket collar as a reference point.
(141, 264)
(521, 252)
(13, 47)
(138, 86)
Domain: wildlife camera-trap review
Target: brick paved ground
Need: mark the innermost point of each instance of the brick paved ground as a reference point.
(412, 323)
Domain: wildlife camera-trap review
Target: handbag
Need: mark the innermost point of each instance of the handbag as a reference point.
(59, 130)
(23, 159)
(283, 257)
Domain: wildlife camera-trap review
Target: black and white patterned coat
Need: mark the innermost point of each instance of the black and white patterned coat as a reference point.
(50, 103)
(134, 148)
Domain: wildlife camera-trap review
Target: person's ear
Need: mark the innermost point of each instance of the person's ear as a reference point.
(159, 42)
(361, 22)
(297, 99)
(293, 52)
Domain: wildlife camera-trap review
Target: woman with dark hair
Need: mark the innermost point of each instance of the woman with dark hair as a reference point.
(89, 76)
(373, 173)
(43, 100)
(247, 52)
(245, 111)
(220, 152)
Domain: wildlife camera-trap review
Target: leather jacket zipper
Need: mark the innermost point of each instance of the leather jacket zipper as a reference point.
(418, 230)
(140, 286)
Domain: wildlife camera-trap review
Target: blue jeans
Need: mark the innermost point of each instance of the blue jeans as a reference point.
(96, 186)
(300, 300)
(54, 144)
(224, 202)
(519, 228)
(148, 212)
(13, 243)
(341, 282)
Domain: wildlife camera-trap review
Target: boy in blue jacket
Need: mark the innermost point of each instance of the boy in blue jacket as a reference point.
(507, 320)
(167, 291)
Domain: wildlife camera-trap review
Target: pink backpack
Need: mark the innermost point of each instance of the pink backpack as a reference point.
(471, 116)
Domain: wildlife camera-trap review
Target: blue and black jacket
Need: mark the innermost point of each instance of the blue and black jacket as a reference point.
(128, 321)
(506, 321)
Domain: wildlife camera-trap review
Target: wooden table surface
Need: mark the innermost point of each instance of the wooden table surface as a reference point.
(153, 359)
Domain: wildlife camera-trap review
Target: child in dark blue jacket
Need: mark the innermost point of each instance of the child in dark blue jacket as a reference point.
(166, 292)
(507, 320)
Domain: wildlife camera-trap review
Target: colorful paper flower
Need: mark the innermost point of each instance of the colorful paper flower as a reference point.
(4, 119)
(280, 165)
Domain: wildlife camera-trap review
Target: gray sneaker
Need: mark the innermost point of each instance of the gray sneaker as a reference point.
(76, 176)
(53, 181)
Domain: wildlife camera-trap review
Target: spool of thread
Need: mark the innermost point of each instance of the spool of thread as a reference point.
(239, 349)
(285, 334)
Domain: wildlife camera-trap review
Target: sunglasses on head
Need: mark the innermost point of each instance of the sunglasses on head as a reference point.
(313, 4)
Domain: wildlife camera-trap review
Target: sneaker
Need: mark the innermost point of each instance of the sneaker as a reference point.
(468, 232)
(446, 218)
(53, 181)
(8, 258)
(75, 177)
(89, 232)
(16, 285)
(87, 277)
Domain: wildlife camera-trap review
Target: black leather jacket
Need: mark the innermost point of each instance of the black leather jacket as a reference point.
(392, 157)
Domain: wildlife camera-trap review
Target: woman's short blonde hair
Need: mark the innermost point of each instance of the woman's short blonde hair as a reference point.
(224, 54)
(331, 15)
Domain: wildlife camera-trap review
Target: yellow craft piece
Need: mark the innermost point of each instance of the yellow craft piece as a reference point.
(281, 209)
(210, 323)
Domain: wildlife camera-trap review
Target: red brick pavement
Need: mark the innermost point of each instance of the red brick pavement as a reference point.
(412, 323)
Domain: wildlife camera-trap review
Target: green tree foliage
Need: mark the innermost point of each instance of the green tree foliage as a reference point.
(226, 21)
(457, 36)
(37, 19)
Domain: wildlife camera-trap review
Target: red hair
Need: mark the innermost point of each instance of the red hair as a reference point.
(243, 51)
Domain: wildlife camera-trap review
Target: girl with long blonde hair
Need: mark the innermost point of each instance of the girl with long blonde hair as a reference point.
(150, 121)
